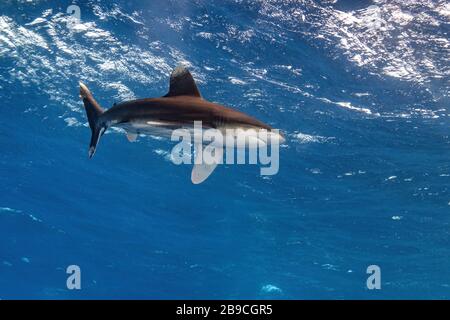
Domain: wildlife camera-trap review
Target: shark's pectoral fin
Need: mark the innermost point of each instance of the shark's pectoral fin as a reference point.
(132, 136)
(204, 167)
(201, 172)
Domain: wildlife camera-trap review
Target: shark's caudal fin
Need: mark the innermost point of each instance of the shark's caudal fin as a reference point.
(93, 111)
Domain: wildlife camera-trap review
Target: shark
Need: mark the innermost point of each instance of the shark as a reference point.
(181, 107)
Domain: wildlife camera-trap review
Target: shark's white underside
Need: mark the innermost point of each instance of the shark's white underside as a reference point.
(201, 170)
(165, 129)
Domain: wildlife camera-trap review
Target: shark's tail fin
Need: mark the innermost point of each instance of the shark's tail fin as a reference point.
(93, 111)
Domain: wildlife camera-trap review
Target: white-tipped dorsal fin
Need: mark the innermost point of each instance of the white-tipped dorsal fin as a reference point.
(182, 83)
(132, 136)
(202, 169)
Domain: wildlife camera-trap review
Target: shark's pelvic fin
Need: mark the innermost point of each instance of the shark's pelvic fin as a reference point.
(182, 83)
(201, 170)
(132, 136)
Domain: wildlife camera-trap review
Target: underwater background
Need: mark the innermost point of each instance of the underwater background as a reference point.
(360, 89)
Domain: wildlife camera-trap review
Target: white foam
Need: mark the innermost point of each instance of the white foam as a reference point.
(270, 288)
(7, 263)
(72, 122)
(123, 92)
(25, 259)
(348, 105)
(36, 21)
(71, 58)
(237, 81)
(205, 35)
(306, 138)
(164, 153)
(7, 209)
(369, 37)
(361, 94)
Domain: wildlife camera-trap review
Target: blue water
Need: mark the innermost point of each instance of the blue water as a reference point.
(359, 89)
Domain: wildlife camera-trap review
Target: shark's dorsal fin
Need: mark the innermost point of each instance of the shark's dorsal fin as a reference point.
(182, 83)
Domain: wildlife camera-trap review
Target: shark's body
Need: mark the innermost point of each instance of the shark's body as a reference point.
(167, 113)
(179, 108)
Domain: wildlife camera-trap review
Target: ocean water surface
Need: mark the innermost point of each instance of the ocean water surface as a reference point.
(360, 89)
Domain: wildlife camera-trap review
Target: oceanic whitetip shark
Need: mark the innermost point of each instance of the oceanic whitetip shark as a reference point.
(179, 108)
